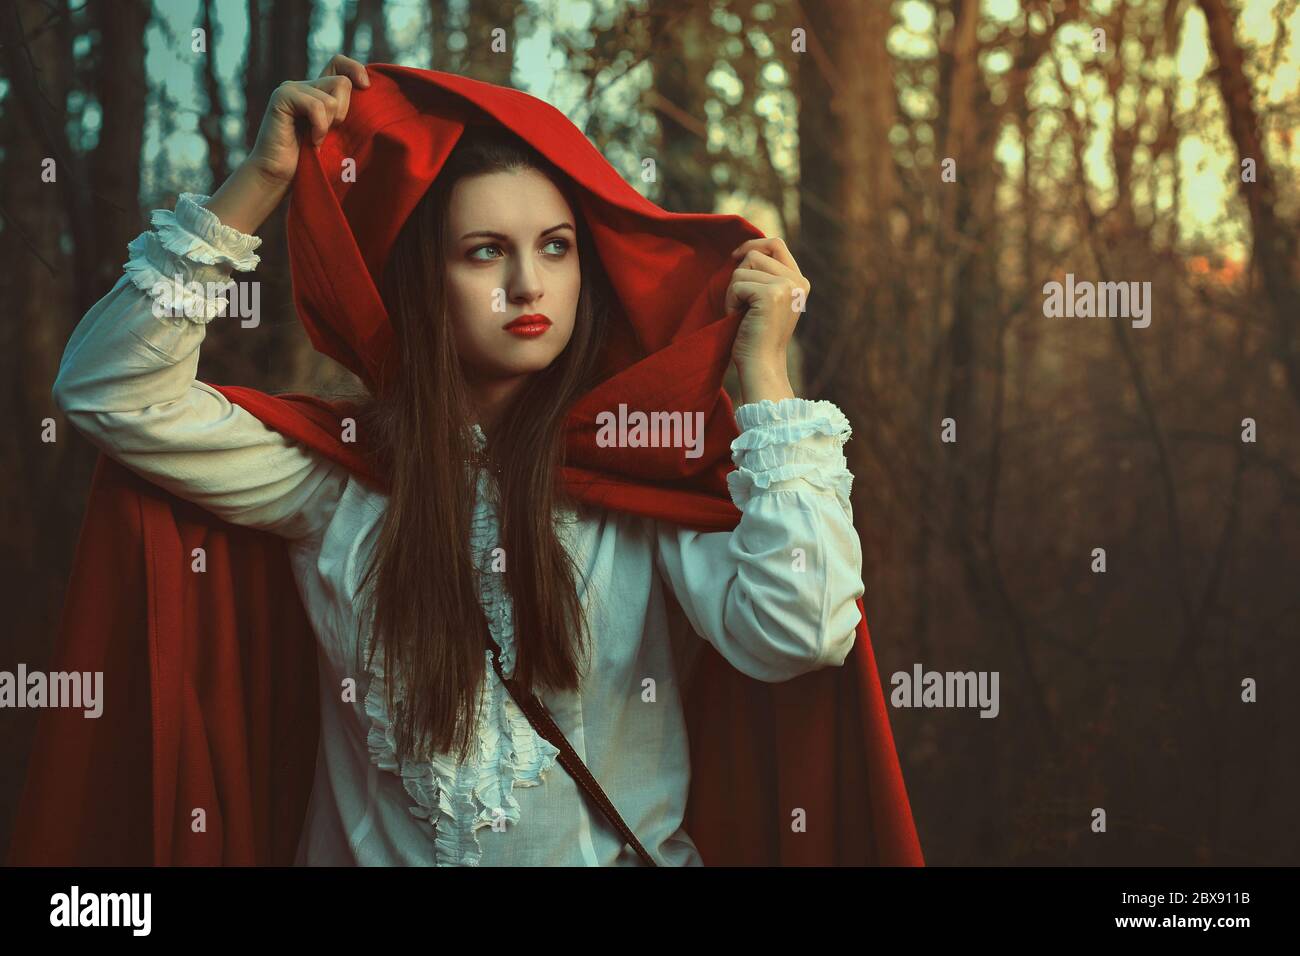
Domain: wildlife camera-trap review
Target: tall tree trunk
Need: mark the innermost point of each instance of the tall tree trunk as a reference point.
(440, 25)
(114, 165)
(47, 243)
(276, 353)
(483, 60)
(212, 123)
(256, 91)
(678, 100)
(849, 187)
(1274, 245)
(369, 13)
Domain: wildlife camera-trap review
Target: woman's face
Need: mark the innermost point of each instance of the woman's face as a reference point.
(512, 254)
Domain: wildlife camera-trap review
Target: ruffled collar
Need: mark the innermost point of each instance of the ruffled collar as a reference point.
(453, 802)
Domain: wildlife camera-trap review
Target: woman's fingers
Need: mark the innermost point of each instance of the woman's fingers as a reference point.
(762, 262)
(768, 259)
(773, 246)
(740, 293)
(775, 283)
(323, 108)
(340, 65)
(339, 87)
(316, 106)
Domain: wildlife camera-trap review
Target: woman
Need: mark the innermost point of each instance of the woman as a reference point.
(474, 559)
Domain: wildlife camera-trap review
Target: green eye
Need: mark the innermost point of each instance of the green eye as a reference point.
(563, 243)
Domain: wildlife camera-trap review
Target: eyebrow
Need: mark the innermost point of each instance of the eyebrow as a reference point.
(504, 238)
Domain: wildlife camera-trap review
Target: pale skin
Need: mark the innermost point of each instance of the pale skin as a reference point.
(510, 242)
(528, 267)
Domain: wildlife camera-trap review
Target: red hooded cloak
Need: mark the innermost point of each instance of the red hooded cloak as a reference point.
(197, 713)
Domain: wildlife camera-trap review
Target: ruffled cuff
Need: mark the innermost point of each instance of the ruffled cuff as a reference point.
(194, 231)
(185, 261)
(791, 445)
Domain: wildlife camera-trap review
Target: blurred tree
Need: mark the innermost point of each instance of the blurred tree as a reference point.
(212, 121)
(1273, 245)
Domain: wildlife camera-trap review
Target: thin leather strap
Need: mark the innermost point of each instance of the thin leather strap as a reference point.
(540, 717)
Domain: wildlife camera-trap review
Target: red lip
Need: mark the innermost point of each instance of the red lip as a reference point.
(528, 325)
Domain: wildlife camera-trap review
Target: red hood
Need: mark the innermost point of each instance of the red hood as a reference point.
(669, 341)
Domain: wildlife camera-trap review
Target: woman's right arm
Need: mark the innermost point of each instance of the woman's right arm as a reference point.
(127, 377)
(127, 382)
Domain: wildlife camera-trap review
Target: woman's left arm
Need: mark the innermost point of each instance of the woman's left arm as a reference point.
(777, 596)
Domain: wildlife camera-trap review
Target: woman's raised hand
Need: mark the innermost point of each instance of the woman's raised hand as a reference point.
(769, 289)
(260, 182)
(316, 105)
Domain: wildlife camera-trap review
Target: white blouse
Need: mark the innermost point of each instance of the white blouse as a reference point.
(776, 596)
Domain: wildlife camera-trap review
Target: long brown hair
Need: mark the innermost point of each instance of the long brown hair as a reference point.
(420, 595)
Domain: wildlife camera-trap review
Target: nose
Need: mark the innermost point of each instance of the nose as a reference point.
(525, 281)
